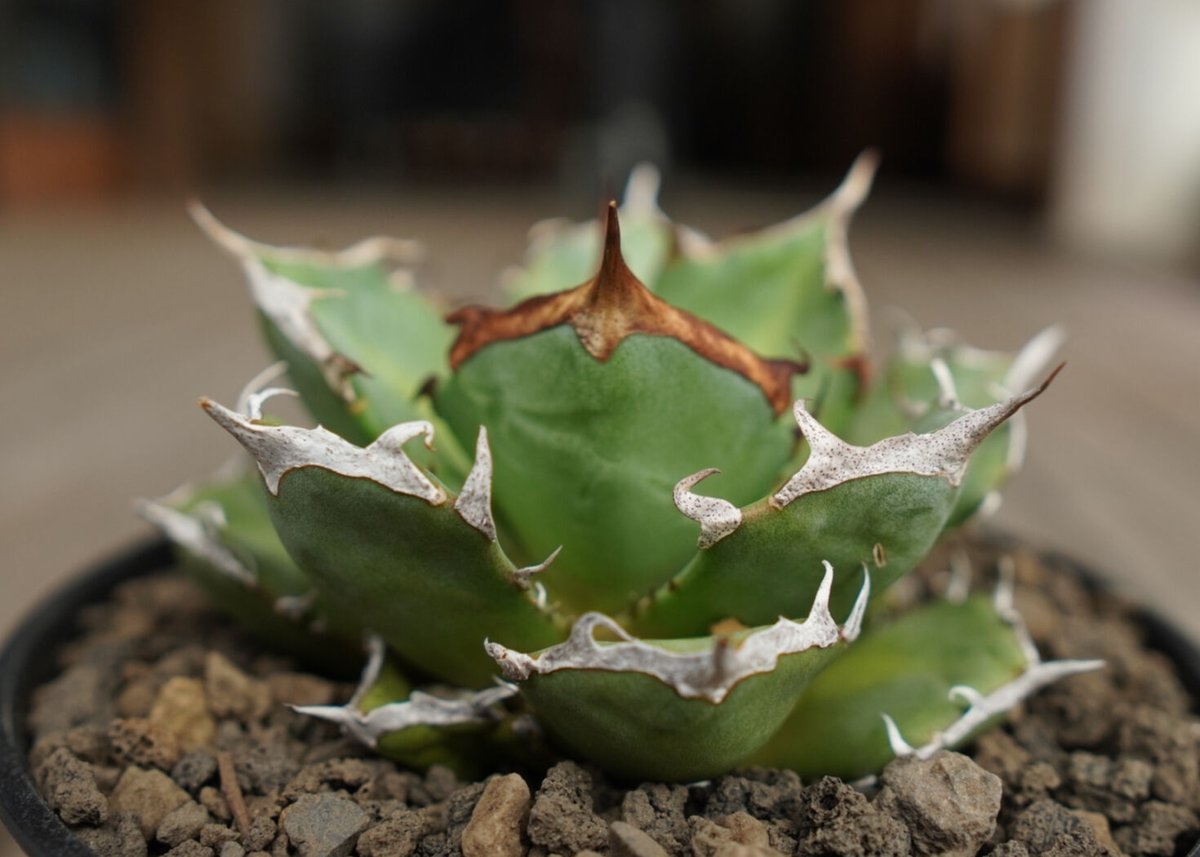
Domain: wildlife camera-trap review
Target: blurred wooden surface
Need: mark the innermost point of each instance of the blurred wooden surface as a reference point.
(114, 320)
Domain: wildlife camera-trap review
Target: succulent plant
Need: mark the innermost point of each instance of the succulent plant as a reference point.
(506, 501)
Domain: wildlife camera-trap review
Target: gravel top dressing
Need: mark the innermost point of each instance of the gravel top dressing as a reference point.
(168, 733)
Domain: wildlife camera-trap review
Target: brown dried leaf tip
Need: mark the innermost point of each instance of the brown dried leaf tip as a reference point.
(611, 306)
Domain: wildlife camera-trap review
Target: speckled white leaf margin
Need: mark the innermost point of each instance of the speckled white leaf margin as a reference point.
(197, 534)
(288, 304)
(708, 675)
(420, 709)
(943, 453)
(717, 518)
(280, 449)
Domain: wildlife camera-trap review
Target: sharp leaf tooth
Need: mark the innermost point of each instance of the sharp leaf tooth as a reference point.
(280, 449)
(523, 576)
(376, 655)
(641, 190)
(295, 607)
(257, 384)
(900, 747)
(717, 518)
(474, 503)
(967, 694)
(853, 626)
(947, 389)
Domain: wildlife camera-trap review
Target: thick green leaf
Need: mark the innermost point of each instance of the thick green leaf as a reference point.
(223, 534)
(905, 670)
(587, 452)
(675, 709)
(359, 340)
(393, 548)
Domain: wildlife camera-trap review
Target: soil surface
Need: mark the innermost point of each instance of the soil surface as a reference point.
(167, 733)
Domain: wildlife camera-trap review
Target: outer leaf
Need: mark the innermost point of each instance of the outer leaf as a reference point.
(358, 338)
(384, 540)
(222, 532)
(786, 288)
(460, 729)
(675, 709)
(923, 672)
(882, 505)
(932, 378)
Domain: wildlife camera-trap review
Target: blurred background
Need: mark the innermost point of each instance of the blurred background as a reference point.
(1041, 163)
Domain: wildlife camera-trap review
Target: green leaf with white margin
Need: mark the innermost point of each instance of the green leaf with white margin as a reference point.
(458, 728)
(788, 289)
(880, 506)
(936, 676)
(222, 532)
(682, 709)
(387, 542)
(932, 379)
(563, 254)
(359, 339)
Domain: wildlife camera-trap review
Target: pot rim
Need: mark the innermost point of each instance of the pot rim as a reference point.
(28, 659)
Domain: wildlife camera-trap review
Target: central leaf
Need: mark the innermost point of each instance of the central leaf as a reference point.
(587, 452)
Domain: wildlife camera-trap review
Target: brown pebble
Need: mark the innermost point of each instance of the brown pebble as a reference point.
(290, 688)
(149, 795)
(137, 697)
(191, 848)
(498, 820)
(70, 789)
(182, 709)
(232, 693)
(142, 742)
(211, 799)
(625, 840)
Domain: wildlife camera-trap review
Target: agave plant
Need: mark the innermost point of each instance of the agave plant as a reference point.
(543, 550)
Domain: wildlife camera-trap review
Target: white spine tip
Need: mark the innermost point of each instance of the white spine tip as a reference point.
(900, 748)
(474, 503)
(854, 622)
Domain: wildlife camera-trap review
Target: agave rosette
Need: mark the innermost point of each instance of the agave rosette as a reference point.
(514, 493)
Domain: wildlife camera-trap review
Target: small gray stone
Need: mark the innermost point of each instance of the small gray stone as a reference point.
(625, 840)
(323, 825)
(182, 823)
(948, 803)
(194, 770)
(232, 849)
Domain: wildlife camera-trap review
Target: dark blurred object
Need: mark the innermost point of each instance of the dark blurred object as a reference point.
(187, 93)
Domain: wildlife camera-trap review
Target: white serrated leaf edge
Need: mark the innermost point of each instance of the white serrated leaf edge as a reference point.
(837, 210)
(197, 533)
(980, 707)
(288, 304)
(420, 709)
(943, 453)
(280, 449)
(706, 675)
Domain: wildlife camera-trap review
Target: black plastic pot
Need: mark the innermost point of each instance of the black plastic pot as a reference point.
(28, 660)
